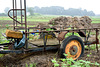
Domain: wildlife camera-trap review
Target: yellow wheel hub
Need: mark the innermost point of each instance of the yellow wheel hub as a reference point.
(73, 49)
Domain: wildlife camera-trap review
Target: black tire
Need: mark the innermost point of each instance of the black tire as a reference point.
(66, 41)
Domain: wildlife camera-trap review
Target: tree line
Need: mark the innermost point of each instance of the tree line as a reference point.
(53, 10)
(57, 10)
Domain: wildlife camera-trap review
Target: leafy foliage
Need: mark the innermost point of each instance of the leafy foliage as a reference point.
(57, 10)
(69, 62)
(2, 38)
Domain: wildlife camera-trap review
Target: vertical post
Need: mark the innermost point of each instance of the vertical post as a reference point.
(85, 37)
(13, 14)
(97, 40)
(45, 40)
(21, 11)
(25, 24)
(73, 32)
(16, 10)
(28, 34)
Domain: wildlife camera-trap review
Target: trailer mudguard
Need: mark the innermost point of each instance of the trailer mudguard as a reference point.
(61, 36)
(21, 43)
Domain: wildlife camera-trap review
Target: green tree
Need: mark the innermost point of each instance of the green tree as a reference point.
(30, 10)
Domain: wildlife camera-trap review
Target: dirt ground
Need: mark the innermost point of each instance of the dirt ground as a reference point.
(42, 59)
(94, 56)
(5, 22)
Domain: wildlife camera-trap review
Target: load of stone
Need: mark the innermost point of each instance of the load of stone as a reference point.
(76, 22)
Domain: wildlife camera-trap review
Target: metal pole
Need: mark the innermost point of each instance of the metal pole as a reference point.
(97, 40)
(85, 37)
(13, 14)
(16, 10)
(25, 25)
(45, 40)
(21, 11)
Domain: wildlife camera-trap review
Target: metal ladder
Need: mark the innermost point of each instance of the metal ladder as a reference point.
(19, 22)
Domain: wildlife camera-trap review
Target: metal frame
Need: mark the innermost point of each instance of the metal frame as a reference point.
(23, 23)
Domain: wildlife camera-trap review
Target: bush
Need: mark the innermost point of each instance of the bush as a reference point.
(69, 62)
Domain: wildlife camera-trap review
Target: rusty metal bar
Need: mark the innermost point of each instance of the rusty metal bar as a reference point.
(72, 30)
(19, 27)
(21, 11)
(29, 50)
(13, 14)
(16, 10)
(85, 37)
(90, 43)
(97, 40)
(45, 40)
(25, 25)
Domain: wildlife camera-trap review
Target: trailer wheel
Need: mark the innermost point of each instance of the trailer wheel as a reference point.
(73, 47)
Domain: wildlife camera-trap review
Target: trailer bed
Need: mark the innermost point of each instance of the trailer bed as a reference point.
(40, 42)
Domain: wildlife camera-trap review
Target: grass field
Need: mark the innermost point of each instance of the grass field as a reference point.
(33, 18)
(45, 18)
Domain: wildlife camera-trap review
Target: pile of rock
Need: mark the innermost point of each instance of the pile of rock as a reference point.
(76, 22)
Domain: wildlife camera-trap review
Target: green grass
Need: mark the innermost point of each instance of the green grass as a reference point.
(5, 18)
(95, 18)
(44, 18)
(33, 18)
(40, 18)
(2, 38)
(95, 21)
(69, 62)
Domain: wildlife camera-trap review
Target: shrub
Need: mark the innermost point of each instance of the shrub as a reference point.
(69, 62)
